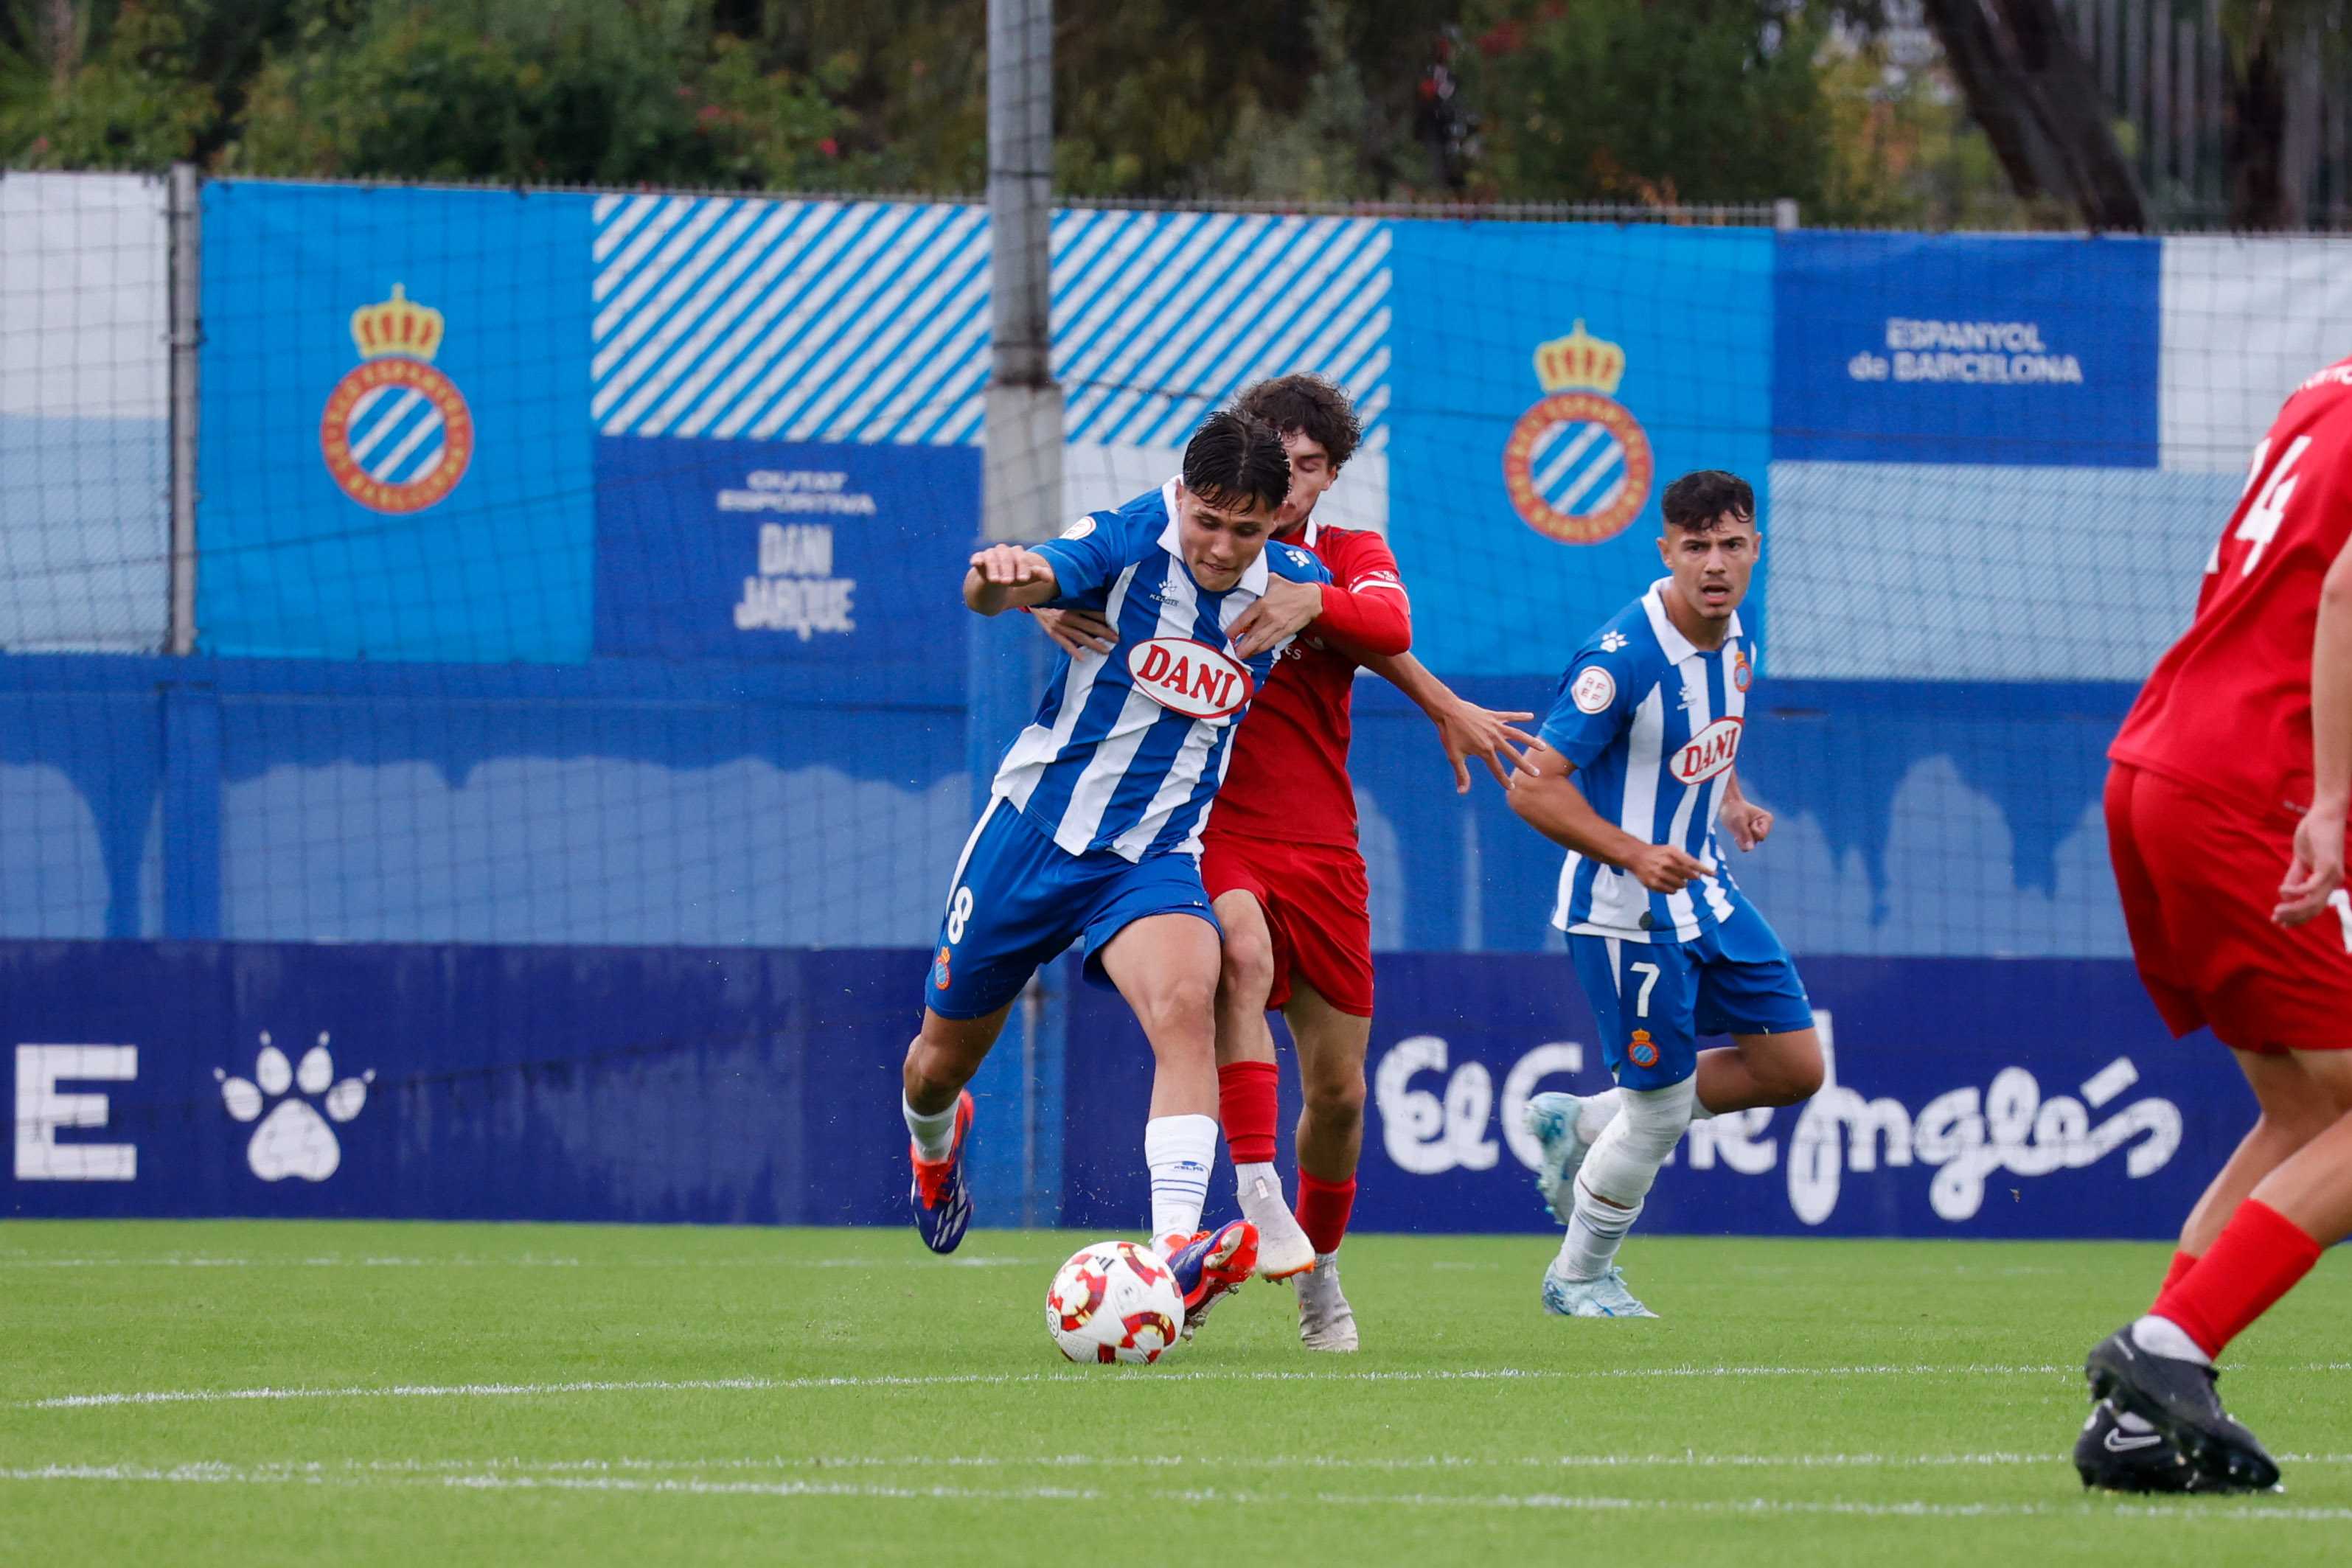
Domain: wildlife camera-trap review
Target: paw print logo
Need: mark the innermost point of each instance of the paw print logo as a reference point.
(1612, 641)
(294, 1139)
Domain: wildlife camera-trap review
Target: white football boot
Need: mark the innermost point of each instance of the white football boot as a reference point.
(1605, 1297)
(1326, 1321)
(1565, 1126)
(1282, 1248)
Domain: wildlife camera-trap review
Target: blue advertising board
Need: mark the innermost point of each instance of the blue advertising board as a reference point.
(395, 448)
(457, 1082)
(827, 554)
(1551, 379)
(1969, 1098)
(2000, 1098)
(2016, 350)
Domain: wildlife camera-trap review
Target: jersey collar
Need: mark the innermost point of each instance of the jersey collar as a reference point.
(1675, 646)
(1254, 576)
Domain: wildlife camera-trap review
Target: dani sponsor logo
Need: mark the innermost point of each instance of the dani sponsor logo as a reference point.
(1708, 752)
(1188, 677)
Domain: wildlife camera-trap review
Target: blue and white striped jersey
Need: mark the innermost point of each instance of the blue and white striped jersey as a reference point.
(1128, 746)
(1653, 725)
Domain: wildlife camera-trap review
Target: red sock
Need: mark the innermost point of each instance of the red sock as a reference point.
(2181, 1264)
(1323, 1209)
(2259, 1257)
(1246, 1105)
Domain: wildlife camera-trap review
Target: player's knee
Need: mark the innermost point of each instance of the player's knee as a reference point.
(1655, 1118)
(1336, 1100)
(1624, 1160)
(1172, 1004)
(930, 1075)
(2293, 1125)
(1792, 1073)
(1800, 1079)
(1246, 965)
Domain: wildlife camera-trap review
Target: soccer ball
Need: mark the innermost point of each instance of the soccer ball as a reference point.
(1114, 1301)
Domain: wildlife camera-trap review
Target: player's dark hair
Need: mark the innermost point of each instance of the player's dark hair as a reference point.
(1310, 406)
(1697, 501)
(1236, 459)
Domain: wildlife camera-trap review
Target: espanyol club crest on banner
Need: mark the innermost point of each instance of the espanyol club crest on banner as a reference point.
(396, 432)
(1578, 466)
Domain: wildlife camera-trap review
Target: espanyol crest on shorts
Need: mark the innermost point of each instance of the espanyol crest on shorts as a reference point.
(396, 432)
(1578, 466)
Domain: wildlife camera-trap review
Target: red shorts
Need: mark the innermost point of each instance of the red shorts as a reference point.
(1317, 906)
(2199, 880)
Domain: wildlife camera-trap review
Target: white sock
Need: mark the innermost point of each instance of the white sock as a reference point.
(1595, 1111)
(1179, 1150)
(1256, 1171)
(1594, 1114)
(1595, 1231)
(2162, 1336)
(934, 1132)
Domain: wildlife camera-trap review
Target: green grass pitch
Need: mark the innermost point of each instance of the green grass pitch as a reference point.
(501, 1393)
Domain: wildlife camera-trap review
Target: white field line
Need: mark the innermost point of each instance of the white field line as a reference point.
(2251, 1512)
(493, 1480)
(525, 1262)
(1072, 1379)
(220, 1475)
(354, 1469)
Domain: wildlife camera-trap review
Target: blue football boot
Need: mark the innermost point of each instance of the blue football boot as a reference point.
(941, 1200)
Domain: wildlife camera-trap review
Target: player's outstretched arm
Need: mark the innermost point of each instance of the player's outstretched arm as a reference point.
(2317, 871)
(1282, 612)
(1006, 577)
(1077, 632)
(1463, 728)
(1548, 800)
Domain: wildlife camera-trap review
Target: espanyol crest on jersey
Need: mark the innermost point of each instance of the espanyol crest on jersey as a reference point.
(1129, 747)
(1653, 725)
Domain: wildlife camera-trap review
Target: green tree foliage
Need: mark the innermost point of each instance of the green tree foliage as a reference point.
(1612, 101)
(618, 93)
(90, 85)
(1615, 100)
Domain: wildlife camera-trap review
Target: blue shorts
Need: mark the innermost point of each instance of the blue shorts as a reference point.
(1654, 1000)
(1018, 898)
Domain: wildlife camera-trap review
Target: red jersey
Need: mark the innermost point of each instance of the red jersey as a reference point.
(2227, 710)
(1288, 778)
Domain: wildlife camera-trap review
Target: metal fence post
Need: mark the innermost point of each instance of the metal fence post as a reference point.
(184, 222)
(1021, 500)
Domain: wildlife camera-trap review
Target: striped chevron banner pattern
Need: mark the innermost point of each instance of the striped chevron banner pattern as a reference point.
(1579, 468)
(868, 322)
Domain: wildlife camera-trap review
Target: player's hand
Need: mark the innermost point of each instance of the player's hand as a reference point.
(2319, 867)
(1466, 730)
(1009, 566)
(1077, 632)
(1750, 823)
(1282, 611)
(1662, 868)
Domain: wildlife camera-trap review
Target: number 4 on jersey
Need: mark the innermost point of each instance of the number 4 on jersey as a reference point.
(2261, 521)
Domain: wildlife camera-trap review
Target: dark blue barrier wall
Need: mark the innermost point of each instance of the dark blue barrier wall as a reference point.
(1977, 1099)
(2009, 1098)
(579, 1083)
